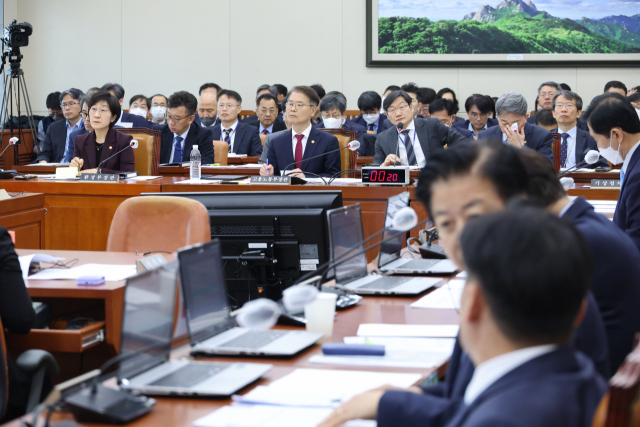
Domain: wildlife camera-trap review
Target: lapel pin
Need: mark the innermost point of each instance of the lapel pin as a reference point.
(313, 142)
(110, 147)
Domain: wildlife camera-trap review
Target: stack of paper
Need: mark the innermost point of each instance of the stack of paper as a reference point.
(399, 352)
(111, 273)
(447, 296)
(26, 260)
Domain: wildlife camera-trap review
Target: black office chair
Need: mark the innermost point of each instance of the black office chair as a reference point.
(38, 363)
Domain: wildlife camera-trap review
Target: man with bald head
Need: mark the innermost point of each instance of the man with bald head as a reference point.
(208, 109)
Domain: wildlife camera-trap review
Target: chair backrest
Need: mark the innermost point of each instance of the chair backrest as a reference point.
(619, 407)
(221, 152)
(147, 155)
(4, 374)
(555, 148)
(352, 114)
(348, 158)
(157, 223)
(246, 113)
(263, 138)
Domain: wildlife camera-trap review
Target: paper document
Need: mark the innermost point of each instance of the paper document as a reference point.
(323, 387)
(111, 273)
(143, 178)
(48, 164)
(53, 178)
(399, 353)
(231, 155)
(221, 166)
(387, 330)
(447, 296)
(462, 274)
(250, 165)
(26, 260)
(270, 416)
(199, 181)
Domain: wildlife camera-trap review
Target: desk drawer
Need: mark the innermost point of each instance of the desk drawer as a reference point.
(58, 340)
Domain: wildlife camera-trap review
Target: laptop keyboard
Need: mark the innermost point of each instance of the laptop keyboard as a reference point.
(385, 283)
(419, 264)
(253, 339)
(190, 375)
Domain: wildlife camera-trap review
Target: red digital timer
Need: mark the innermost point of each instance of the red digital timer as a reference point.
(378, 175)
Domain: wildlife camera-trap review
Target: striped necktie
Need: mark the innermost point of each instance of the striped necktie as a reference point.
(411, 156)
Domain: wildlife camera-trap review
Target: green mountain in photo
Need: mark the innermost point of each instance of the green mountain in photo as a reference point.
(514, 26)
(614, 31)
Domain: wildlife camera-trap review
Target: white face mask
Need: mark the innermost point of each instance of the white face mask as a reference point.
(158, 113)
(331, 123)
(138, 112)
(371, 118)
(610, 154)
(382, 109)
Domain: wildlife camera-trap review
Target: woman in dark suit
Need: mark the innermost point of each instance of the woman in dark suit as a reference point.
(103, 142)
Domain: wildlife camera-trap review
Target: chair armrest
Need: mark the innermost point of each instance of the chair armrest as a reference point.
(33, 360)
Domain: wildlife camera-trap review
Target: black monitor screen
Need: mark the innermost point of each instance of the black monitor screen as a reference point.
(147, 322)
(204, 290)
(390, 250)
(346, 235)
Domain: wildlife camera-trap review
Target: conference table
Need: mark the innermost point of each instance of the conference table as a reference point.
(180, 411)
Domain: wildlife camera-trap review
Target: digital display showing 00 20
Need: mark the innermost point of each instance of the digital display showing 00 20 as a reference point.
(384, 176)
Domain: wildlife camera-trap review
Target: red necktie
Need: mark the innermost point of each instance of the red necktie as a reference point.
(265, 132)
(298, 153)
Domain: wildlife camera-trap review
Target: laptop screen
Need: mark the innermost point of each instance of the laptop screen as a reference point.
(204, 290)
(390, 250)
(345, 233)
(147, 322)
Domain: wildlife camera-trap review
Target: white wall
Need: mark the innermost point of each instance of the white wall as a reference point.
(153, 46)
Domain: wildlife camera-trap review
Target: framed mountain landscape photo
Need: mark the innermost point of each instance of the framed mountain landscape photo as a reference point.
(503, 33)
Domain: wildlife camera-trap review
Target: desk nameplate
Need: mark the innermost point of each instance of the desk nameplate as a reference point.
(100, 177)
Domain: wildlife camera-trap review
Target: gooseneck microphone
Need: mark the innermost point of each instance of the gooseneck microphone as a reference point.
(590, 158)
(400, 127)
(132, 144)
(353, 146)
(13, 141)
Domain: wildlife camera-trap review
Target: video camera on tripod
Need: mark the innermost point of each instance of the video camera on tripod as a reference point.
(15, 36)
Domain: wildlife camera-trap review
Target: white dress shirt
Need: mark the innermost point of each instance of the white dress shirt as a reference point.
(294, 140)
(474, 132)
(417, 148)
(173, 148)
(232, 134)
(492, 370)
(571, 147)
(121, 124)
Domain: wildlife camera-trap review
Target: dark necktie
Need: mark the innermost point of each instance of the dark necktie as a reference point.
(372, 126)
(227, 139)
(298, 153)
(177, 150)
(265, 132)
(563, 149)
(411, 156)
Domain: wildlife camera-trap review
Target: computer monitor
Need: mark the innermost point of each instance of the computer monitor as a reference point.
(346, 235)
(268, 238)
(390, 249)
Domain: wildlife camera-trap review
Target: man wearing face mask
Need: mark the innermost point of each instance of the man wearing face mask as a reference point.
(370, 104)
(55, 114)
(208, 110)
(332, 110)
(442, 109)
(615, 125)
(139, 106)
(158, 110)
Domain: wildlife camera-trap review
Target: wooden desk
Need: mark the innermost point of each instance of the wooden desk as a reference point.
(171, 411)
(171, 171)
(586, 177)
(594, 194)
(25, 214)
(80, 214)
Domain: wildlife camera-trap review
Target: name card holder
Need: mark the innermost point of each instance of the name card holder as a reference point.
(66, 173)
(276, 180)
(608, 184)
(100, 177)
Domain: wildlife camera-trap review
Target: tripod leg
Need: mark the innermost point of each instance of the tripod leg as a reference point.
(28, 108)
(4, 107)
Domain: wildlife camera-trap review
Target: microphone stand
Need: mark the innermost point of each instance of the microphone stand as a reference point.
(571, 169)
(112, 156)
(315, 157)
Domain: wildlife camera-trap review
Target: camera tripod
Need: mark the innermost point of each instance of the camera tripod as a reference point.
(14, 84)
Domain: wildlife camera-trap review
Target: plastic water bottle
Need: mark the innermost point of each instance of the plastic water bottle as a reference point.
(195, 163)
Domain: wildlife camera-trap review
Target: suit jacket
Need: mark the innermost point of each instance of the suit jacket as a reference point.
(627, 215)
(615, 279)
(267, 144)
(278, 125)
(560, 388)
(465, 124)
(584, 144)
(114, 142)
(440, 402)
(382, 124)
(466, 133)
(54, 142)
(138, 121)
(197, 136)
(535, 137)
(72, 143)
(432, 134)
(281, 153)
(246, 139)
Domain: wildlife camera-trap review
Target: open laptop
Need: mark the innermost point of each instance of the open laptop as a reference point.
(147, 327)
(212, 329)
(346, 234)
(389, 259)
